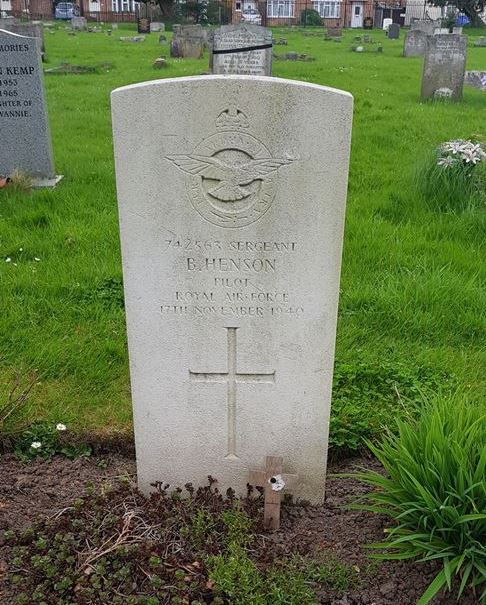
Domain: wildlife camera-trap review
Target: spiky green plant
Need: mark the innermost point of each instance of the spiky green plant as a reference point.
(435, 492)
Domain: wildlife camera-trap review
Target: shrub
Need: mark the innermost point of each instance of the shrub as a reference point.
(309, 16)
(454, 178)
(435, 492)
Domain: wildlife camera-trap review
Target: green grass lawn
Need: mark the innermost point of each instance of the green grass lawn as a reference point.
(413, 296)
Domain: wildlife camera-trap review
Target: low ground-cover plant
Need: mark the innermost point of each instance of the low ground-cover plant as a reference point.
(454, 177)
(435, 492)
(116, 546)
(368, 396)
(44, 440)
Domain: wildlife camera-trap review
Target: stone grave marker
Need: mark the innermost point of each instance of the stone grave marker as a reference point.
(333, 32)
(79, 23)
(157, 26)
(26, 139)
(242, 49)
(28, 29)
(444, 66)
(231, 248)
(386, 23)
(476, 79)
(481, 41)
(188, 41)
(457, 30)
(143, 25)
(425, 25)
(414, 44)
(393, 31)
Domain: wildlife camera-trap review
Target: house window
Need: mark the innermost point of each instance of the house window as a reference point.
(329, 9)
(125, 6)
(280, 8)
(238, 6)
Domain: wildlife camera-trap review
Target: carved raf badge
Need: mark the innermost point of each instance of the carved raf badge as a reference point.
(233, 173)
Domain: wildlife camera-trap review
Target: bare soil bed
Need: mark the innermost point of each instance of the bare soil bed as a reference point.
(39, 490)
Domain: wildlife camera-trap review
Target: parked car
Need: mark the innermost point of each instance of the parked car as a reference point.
(66, 10)
(251, 15)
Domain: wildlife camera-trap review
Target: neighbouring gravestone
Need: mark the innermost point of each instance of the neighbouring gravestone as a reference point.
(414, 44)
(481, 41)
(79, 23)
(156, 27)
(425, 25)
(143, 25)
(393, 31)
(242, 49)
(444, 66)
(28, 29)
(231, 251)
(188, 41)
(386, 23)
(334, 32)
(477, 79)
(26, 140)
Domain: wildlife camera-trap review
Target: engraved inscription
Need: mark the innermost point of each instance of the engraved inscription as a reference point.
(232, 377)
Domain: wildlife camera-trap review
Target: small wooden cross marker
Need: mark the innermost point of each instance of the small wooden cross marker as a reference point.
(274, 482)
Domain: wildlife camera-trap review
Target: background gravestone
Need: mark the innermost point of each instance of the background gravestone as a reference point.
(31, 30)
(425, 25)
(476, 79)
(444, 66)
(156, 26)
(414, 44)
(231, 247)
(188, 41)
(26, 141)
(257, 62)
(393, 31)
(481, 41)
(79, 23)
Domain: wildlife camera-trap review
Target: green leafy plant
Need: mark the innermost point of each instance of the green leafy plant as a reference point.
(309, 16)
(453, 178)
(44, 440)
(435, 492)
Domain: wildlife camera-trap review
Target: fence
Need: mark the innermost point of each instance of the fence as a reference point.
(270, 13)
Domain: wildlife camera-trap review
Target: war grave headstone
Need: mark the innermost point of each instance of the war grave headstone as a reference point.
(476, 79)
(231, 249)
(26, 140)
(393, 31)
(187, 41)
(414, 43)
(79, 23)
(242, 49)
(386, 23)
(444, 66)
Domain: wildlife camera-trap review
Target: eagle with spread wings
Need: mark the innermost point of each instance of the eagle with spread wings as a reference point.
(233, 179)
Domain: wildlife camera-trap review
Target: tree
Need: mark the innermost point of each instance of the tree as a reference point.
(471, 8)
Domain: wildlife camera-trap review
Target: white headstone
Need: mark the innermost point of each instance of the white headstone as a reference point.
(231, 228)
(386, 23)
(242, 49)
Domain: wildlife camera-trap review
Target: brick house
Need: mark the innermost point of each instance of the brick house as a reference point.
(333, 13)
(96, 10)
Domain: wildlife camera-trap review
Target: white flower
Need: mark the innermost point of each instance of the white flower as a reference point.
(61, 427)
(8, 259)
(36, 445)
(447, 161)
(277, 483)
